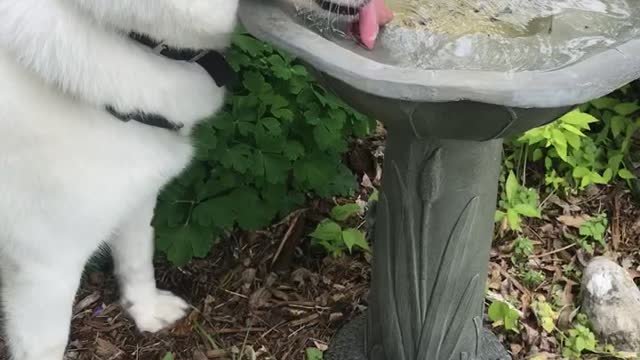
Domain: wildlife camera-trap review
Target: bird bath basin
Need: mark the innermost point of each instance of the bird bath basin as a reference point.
(448, 98)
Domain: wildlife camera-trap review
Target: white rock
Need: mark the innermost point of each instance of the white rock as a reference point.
(611, 300)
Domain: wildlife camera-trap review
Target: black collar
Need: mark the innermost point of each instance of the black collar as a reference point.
(212, 61)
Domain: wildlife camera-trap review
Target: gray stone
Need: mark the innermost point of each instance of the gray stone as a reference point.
(611, 300)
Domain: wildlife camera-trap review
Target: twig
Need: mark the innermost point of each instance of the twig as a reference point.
(285, 238)
(554, 251)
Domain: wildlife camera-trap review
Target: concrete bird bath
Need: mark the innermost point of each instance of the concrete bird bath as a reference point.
(446, 118)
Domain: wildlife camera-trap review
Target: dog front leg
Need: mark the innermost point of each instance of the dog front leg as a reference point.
(132, 249)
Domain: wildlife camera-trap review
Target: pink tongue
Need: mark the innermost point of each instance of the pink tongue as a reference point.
(372, 16)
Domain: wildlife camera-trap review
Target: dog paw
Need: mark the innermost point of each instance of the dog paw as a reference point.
(157, 312)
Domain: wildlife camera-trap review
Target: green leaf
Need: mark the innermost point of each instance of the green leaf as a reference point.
(283, 114)
(573, 140)
(276, 168)
(604, 103)
(626, 174)
(328, 131)
(216, 211)
(513, 219)
(537, 154)
(343, 212)
(313, 354)
(354, 237)
(314, 171)
(237, 157)
(547, 324)
(626, 109)
(501, 313)
(618, 124)
(254, 82)
(248, 44)
(580, 172)
(182, 241)
(272, 125)
(497, 311)
(578, 119)
(251, 212)
(293, 150)
(299, 70)
(327, 230)
(511, 186)
(572, 129)
(527, 210)
(169, 356)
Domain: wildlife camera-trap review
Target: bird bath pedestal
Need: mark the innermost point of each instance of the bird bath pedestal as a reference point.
(435, 215)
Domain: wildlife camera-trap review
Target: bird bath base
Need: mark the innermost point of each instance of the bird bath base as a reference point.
(433, 230)
(349, 344)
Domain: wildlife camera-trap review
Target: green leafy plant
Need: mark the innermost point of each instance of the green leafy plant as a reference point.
(572, 157)
(591, 233)
(545, 314)
(532, 278)
(168, 356)
(516, 201)
(279, 139)
(522, 249)
(504, 314)
(595, 228)
(335, 238)
(578, 340)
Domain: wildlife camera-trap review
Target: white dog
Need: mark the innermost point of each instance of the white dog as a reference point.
(94, 121)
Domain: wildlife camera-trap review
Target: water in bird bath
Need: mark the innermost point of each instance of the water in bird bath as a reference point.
(499, 35)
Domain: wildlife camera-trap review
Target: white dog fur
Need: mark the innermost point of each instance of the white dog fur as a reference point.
(72, 176)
